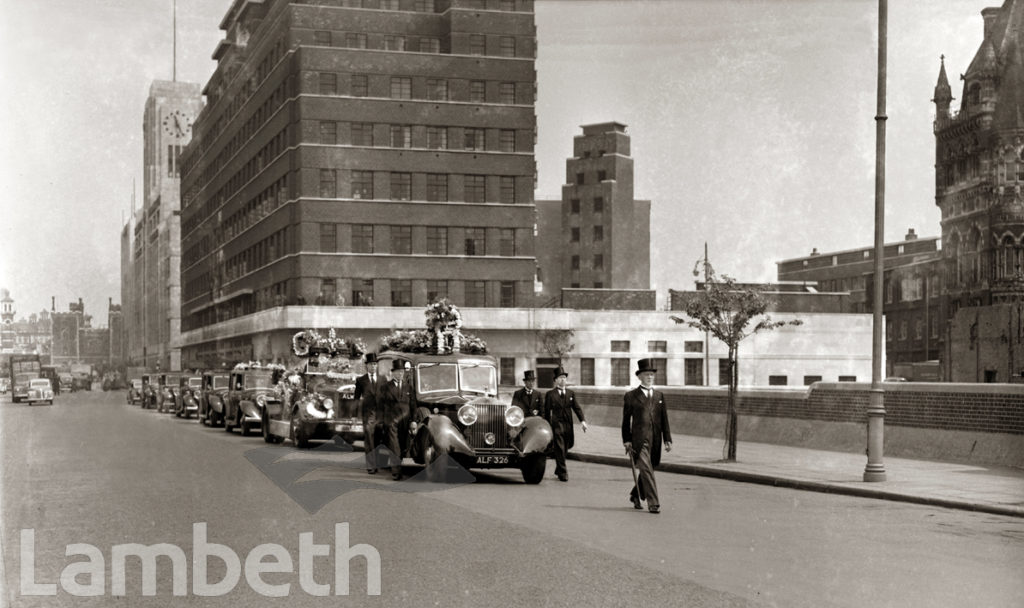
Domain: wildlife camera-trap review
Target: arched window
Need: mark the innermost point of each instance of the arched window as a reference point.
(974, 94)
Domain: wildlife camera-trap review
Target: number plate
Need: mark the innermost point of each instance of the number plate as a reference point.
(348, 428)
(492, 459)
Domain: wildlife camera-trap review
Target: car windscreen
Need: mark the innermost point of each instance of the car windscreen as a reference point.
(479, 378)
(40, 384)
(257, 382)
(195, 382)
(22, 377)
(435, 377)
(323, 384)
(220, 382)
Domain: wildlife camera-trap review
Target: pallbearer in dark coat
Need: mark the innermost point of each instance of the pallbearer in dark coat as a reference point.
(530, 400)
(644, 425)
(396, 399)
(368, 389)
(559, 404)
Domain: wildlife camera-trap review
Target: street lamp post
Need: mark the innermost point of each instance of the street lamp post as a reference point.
(875, 469)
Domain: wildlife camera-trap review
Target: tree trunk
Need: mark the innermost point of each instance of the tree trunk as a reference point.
(730, 417)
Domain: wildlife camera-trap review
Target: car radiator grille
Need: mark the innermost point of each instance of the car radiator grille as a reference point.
(491, 419)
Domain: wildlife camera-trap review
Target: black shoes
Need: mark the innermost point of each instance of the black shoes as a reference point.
(655, 510)
(563, 478)
(371, 471)
(636, 503)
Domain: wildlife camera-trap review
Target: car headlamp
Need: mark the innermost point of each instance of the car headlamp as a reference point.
(261, 400)
(328, 404)
(468, 414)
(314, 411)
(514, 416)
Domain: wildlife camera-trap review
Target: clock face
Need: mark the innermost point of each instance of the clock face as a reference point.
(177, 124)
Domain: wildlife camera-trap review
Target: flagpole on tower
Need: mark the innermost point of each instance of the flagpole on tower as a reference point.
(174, 68)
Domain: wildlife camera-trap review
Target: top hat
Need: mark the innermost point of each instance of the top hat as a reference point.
(645, 365)
(371, 357)
(399, 364)
(560, 371)
(529, 375)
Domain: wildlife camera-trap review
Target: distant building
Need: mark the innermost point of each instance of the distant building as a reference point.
(151, 239)
(598, 234)
(785, 296)
(979, 175)
(25, 335)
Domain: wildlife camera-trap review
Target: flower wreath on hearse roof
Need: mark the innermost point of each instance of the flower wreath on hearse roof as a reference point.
(310, 343)
(443, 334)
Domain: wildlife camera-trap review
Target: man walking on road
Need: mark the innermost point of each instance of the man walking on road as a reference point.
(559, 404)
(368, 389)
(644, 425)
(397, 399)
(530, 400)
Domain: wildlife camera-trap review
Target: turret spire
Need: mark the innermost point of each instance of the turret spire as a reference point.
(943, 92)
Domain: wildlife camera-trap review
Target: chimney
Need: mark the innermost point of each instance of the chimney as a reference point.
(911, 235)
(815, 251)
(53, 303)
(989, 15)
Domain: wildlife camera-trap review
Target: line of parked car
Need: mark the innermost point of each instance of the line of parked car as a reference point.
(457, 412)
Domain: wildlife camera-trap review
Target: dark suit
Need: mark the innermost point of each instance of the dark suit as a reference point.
(645, 424)
(368, 392)
(558, 411)
(396, 412)
(534, 402)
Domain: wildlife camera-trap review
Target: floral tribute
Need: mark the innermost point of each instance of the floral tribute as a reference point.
(243, 366)
(443, 334)
(310, 343)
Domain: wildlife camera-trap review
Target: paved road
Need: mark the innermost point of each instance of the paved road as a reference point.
(91, 469)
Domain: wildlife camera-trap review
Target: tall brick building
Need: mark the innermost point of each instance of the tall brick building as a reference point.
(361, 153)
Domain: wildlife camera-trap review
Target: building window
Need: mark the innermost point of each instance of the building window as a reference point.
(437, 240)
(660, 371)
(362, 133)
(579, 179)
(507, 93)
(328, 83)
(437, 89)
(507, 242)
(477, 44)
(401, 292)
(598, 261)
(918, 329)
(437, 187)
(322, 38)
(693, 346)
(436, 290)
(723, 372)
(394, 43)
(437, 138)
(903, 330)
(657, 346)
(889, 331)
(389, 5)
(574, 205)
(508, 294)
(598, 233)
(476, 294)
(328, 238)
(328, 183)
(328, 295)
(508, 190)
(507, 368)
(362, 238)
(507, 5)
(425, 6)
(401, 239)
(474, 139)
(362, 292)
(598, 284)
(477, 89)
(355, 40)
(362, 184)
(694, 372)
(809, 380)
(507, 140)
(602, 175)
(401, 186)
(475, 189)
(360, 85)
(401, 87)
(476, 241)
(574, 261)
(778, 380)
(430, 45)
(328, 132)
(508, 47)
(620, 372)
(401, 136)
(620, 346)
(847, 378)
(587, 371)
(598, 204)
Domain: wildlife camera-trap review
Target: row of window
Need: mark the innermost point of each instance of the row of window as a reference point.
(430, 6)
(581, 178)
(428, 137)
(598, 234)
(436, 186)
(903, 327)
(399, 240)
(476, 44)
(596, 207)
(386, 86)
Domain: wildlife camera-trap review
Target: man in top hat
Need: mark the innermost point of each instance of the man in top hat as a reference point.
(644, 425)
(531, 401)
(396, 399)
(559, 404)
(368, 388)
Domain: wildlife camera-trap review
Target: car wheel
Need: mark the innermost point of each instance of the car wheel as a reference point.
(228, 427)
(265, 427)
(435, 460)
(533, 468)
(298, 436)
(243, 426)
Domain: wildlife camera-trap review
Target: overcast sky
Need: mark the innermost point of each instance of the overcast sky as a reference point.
(752, 123)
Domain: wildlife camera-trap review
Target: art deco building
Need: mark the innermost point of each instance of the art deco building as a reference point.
(151, 240)
(360, 153)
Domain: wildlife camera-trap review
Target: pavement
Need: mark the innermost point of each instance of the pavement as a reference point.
(972, 487)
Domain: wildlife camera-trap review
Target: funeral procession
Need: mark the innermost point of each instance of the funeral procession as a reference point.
(512, 303)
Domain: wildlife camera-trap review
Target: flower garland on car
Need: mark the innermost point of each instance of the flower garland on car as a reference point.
(311, 343)
(443, 334)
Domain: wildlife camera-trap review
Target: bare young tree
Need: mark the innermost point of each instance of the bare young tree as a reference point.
(726, 309)
(557, 343)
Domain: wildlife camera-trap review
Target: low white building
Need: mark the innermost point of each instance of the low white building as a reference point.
(606, 343)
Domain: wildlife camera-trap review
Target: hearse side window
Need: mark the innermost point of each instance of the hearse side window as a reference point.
(435, 377)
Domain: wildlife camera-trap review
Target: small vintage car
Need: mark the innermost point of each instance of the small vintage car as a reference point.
(39, 391)
(250, 392)
(186, 398)
(167, 393)
(458, 413)
(67, 381)
(316, 404)
(135, 391)
(214, 387)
